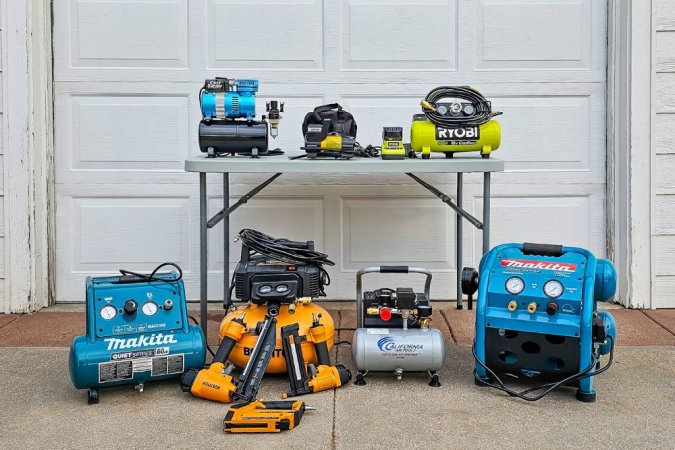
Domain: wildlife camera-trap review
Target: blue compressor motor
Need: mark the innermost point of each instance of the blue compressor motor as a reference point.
(227, 98)
(137, 330)
(537, 317)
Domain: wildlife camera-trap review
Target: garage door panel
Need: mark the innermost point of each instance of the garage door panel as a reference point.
(129, 132)
(548, 133)
(104, 232)
(385, 35)
(375, 232)
(517, 34)
(286, 36)
(555, 219)
(143, 33)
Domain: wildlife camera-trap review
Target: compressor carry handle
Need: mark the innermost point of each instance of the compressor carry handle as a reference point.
(542, 249)
(386, 269)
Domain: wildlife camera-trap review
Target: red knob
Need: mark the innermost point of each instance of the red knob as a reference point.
(385, 314)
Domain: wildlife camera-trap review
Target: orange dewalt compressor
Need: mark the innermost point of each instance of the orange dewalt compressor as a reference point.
(276, 276)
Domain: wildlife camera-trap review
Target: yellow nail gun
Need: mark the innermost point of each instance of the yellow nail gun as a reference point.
(265, 417)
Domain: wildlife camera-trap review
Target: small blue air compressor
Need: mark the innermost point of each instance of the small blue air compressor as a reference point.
(137, 330)
(228, 124)
(223, 98)
(537, 317)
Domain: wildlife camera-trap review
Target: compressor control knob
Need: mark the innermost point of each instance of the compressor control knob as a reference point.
(551, 308)
(130, 307)
(385, 314)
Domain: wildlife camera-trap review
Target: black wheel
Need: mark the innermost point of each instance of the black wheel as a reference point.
(434, 380)
(92, 396)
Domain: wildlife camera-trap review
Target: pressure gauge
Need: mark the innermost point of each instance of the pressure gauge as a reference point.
(455, 109)
(149, 308)
(282, 288)
(553, 288)
(265, 289)
(442, 110)
(515, 285)
(108, 312)
(469, 109)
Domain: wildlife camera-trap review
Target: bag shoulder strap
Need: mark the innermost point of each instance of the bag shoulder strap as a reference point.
(328, 107)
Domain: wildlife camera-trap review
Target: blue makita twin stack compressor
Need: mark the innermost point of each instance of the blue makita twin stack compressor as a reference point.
(137, 330)
(537, 317)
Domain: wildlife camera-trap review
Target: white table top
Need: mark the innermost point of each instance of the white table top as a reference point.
(281, 164)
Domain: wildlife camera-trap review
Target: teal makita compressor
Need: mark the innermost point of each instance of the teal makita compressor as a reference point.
(537, 317)
(137, 330)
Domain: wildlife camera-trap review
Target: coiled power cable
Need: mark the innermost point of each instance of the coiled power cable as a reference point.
(482, 108)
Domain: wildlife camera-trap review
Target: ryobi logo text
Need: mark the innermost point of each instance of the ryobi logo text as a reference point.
(388, 344)
(541, 265)
(141, 341)
(472, 133)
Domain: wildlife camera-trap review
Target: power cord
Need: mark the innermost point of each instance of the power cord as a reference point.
(282, 249)
(207, 345)
(482, 107)
(548, 387)
(152, 276)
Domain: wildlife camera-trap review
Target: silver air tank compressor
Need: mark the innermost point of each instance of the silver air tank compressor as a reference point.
(228, 123)
(393, 330)
(137, 330)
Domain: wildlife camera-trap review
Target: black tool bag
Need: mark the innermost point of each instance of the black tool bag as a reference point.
(341, 121)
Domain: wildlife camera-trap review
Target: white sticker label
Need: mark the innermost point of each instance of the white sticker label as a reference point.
(377, 330)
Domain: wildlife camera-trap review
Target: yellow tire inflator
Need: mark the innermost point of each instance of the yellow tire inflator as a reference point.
(427, 137)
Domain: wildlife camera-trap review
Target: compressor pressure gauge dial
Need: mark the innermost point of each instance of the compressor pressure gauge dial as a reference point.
(553, 288)
(108, 312)
(149, 308)
(515, 285)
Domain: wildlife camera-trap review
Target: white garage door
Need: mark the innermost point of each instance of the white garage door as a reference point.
(127, 74)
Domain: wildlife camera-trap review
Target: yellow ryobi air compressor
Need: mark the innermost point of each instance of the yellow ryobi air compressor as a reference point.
(463, 125)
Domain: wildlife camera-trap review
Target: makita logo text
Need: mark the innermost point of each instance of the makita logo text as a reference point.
(141, 341)
(457, 133)
(541, 265)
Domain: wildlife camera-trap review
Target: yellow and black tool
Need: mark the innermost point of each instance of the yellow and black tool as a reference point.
(464, 124)
(320, 142)
(265, 417)
(215, 383)
(321, 377)
(392, 143)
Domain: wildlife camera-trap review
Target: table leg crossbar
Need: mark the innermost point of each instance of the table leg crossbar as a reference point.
(243, 200)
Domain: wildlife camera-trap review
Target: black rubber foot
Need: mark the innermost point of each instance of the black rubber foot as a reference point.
(449, 155)
(425, 156)
(485, 156)
(92, 396)
(434, 381)
(460, 306)
(360, 381)
(586, 398)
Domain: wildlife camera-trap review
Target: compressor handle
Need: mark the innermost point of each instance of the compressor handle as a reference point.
(386, 269)
(542, 249)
